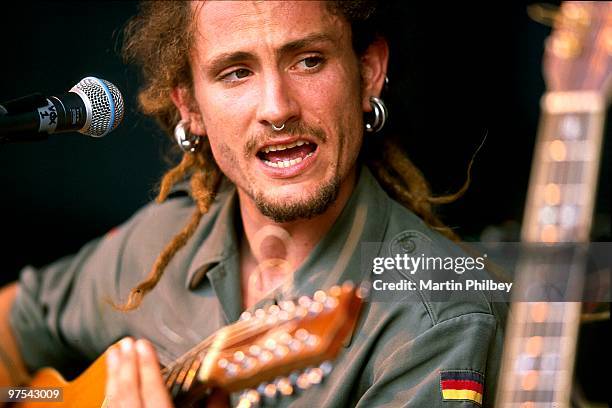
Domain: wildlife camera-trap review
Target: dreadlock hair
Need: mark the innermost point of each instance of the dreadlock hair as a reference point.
(204, 178)
(160, 38)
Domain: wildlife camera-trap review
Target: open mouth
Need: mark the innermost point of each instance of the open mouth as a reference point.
(286, 155)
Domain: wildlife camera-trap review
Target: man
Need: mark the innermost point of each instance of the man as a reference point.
(267, 101)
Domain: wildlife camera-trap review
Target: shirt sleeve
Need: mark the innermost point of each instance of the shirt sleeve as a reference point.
(62, 316)
(411, 374)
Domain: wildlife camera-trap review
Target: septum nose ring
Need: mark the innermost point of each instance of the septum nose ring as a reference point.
(278, 128)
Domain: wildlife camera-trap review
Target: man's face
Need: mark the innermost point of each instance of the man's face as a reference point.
(261, 63)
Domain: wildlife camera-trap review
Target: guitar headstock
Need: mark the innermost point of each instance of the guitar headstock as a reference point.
(578, 55)
(273, 345)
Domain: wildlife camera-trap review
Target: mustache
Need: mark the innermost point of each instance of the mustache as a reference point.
(291, 129)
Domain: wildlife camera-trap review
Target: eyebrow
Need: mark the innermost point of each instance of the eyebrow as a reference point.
(229, 58)
(305, 42)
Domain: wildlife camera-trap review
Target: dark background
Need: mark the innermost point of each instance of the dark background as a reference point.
(464, 70)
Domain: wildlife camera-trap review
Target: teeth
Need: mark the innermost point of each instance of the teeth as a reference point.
(275, 148)
(284, 163)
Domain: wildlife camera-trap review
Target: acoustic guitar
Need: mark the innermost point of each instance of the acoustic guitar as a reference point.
(541, 337)
(271, 353)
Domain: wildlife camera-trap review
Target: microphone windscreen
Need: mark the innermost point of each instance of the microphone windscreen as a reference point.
(103, 103)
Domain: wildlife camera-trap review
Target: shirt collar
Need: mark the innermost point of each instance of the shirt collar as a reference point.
(363, 219)
(217, 240)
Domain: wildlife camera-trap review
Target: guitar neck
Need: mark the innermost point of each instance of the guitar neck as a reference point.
(541, 336)
(564, 175)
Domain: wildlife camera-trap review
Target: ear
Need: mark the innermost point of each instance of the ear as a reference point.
(184, 103)
(374, 70)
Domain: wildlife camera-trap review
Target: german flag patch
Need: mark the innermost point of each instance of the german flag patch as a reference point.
(462, 385)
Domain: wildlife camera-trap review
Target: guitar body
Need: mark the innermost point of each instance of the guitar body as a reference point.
(87, 390)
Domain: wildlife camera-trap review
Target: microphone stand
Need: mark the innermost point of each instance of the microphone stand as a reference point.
(13, 111)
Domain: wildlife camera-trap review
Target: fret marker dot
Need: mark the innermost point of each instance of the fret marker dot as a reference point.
(539, 312)
(552, 194)
(549, 234)
(569, 215)
(557, 150)
(533, 347)
(548, 215)
(570, 127)
(530, 380)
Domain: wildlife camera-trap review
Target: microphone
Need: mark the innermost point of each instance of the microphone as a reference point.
(93, 107)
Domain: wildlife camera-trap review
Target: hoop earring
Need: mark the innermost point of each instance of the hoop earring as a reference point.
(187, 141)
(380, 115)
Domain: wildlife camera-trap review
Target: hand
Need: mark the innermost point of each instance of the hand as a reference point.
(133, 378)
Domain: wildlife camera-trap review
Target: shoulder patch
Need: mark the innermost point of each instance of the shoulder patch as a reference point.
(462, 385)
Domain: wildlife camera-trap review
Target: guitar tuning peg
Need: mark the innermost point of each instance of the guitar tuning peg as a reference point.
(287, 305)
(320, 296)
(302, 382)
(335, 291)
(331, 302)
(285, 338)
(260, 313)
(268, 391)
(270, 344)
(284, 387)
(255, 350)
(283, 315)
(315, 375)
(363, 292)
(312, 340)
(306, 338)
(273, 309)
(348, 286)
(245, 316)
(266, 356)
(316, 308)
(304, 301)
(239, 356)
(231, 370)
(301, 311)
(301, 334)
(249, 363)
(294, 345)
(281, 351)
(272, 319)
(249, 399)
(326, 367)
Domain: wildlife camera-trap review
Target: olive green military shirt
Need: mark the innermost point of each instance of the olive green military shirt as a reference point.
(395, 357)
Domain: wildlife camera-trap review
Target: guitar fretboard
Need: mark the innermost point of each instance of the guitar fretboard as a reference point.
(541, 338)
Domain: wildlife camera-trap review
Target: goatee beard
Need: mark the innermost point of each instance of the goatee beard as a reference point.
(287, 212)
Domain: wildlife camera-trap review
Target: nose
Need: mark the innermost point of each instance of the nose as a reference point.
(277, 105)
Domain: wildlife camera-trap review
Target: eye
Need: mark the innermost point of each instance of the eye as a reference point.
(236, 75)
(310, 63)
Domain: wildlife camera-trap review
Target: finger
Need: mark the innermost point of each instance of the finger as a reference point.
(112, 369)
(128, 383)
(152, 388)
